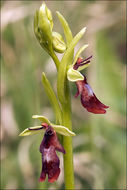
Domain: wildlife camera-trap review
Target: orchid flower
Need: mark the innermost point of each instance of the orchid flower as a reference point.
(49, 145)
(88, 98)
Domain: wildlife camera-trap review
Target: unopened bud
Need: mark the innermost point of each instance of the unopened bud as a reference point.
(49, 16)
(44, 24)
(58, 42)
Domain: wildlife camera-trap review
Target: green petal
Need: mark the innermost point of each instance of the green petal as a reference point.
(74, 75)
(62, 130)
(79, 52)
(41, 118)
(32, 131)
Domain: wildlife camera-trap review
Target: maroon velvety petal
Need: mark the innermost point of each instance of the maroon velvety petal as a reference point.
(50, 164)
(50, 160)
(80, 86)
(42, 176)
(51, 139)
(89, 99)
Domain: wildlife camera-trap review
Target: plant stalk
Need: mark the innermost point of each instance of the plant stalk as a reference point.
(67, 142)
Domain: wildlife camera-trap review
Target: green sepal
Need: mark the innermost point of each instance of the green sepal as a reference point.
(49, 16)
(58, 43)
(74, 75)
(32, 131)
(38, 33)
(42, 119)
(62, 73)
(44, 24)
(62, 130)
(79, 52)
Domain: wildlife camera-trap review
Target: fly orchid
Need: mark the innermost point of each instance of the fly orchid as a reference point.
(88, 98)
(48, 147)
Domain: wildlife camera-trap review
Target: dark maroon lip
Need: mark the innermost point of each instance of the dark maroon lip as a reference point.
(88, 99)
(50, 160)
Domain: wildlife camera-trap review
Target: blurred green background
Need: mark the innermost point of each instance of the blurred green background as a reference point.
(100, 145)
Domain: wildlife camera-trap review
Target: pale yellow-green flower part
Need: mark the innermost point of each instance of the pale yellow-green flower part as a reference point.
(74, 75)
(62, 130)
(79, 52)
(41, 118)
(39, 129)
(58, 43)
(32, 131)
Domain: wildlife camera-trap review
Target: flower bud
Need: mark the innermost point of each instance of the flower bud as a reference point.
(43, 24)
(49, 15)
(58, 42)
(36, 29)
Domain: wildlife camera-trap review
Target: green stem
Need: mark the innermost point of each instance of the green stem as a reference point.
(67, 143)
(54, 57)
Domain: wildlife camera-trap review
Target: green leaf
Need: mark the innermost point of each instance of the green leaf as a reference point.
(79, 52)
(62, 130)
(52, 98)
(32, 131)
(41, 118)
(74, 75)
(67, 31)
(62, 72)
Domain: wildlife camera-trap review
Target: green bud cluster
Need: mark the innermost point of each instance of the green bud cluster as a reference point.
(43, 25)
